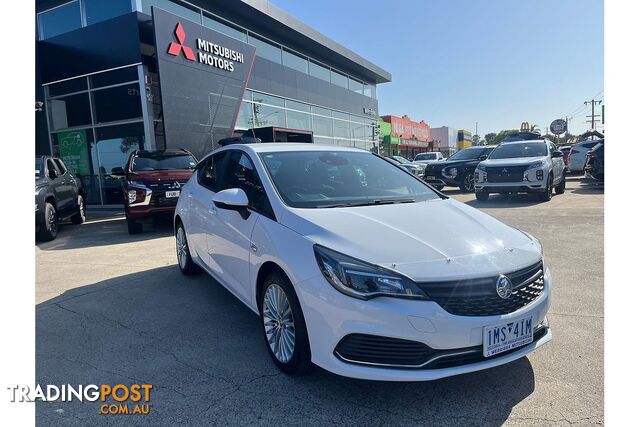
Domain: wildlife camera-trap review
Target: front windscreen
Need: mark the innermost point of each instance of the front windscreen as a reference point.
(163, 162)
(426, 156)
(470, 154)
(323, 179)
(515, 150)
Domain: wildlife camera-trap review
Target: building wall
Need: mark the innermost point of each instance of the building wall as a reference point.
(464, 139)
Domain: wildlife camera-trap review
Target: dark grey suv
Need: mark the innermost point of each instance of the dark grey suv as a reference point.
(59, 196)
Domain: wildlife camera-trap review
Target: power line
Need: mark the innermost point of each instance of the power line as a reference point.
(593, 114)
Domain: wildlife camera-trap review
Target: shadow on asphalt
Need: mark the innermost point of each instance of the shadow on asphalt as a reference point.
(204, 353)
(105, 231)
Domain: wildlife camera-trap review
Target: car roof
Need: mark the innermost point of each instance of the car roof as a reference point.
(274, 147)
(168, 151)
(527, 141)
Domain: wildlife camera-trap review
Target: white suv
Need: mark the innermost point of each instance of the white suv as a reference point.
(320, 242)
(533, 166)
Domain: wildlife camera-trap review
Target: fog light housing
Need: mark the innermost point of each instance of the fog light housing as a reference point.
(539, 175)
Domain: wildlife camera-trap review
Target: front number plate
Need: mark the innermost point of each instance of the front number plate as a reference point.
(172, 194)
(431, 178)
(506, 336)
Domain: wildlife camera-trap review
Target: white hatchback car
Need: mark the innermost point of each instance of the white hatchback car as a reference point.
(578, 155)
(320, 241)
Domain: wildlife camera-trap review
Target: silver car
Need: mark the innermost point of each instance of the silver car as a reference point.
(533, 166)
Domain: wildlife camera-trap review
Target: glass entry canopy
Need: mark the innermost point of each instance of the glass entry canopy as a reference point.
(95, 123)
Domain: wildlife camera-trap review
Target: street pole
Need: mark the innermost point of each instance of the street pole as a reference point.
(593, 115)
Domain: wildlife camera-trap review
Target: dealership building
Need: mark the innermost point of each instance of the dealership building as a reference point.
(119, 75)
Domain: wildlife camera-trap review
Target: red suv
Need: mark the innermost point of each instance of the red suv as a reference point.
(152, 183)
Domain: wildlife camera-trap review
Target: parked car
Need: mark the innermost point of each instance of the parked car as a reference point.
(59, 196)
(578, 155)
(152, 183)
(521, 167)
(416, 169)
(457, 170)
(321, 243)
(429, 157)
(565, 153)
(595, 162)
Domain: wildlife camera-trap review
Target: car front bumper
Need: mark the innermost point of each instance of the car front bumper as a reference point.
(509, 187)
(330, 316)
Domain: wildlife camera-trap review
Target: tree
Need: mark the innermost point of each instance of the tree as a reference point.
(501, 135)
(490, 136)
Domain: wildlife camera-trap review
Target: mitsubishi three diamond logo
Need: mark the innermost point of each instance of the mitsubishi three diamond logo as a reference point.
(175, 48)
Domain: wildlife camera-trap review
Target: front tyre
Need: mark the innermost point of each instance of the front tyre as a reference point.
(185, 262)
(80, 216)
(562, 185)
(284, 328)
(133, 226)
(482, 196)
(467, 183)
(548, 192)
(49, 228)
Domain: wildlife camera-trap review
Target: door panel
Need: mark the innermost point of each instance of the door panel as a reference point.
(230, 242)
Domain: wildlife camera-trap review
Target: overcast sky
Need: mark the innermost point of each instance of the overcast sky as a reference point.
(455, 62)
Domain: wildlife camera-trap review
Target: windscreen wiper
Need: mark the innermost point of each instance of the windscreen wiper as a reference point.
(369, 203)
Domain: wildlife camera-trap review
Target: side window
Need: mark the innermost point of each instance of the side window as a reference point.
(240, 173)
(51, 169)
(61, 166)
(210, 172)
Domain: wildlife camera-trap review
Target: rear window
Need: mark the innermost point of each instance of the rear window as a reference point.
(156, 162)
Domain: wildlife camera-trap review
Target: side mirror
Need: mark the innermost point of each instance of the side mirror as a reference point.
(556, 154)
(483, 157)
(117, 172)
(234, 199)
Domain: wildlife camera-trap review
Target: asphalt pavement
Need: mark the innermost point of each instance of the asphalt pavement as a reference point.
(114, 308)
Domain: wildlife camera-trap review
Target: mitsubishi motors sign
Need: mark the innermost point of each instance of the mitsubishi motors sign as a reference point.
(209, 53)
(187, 42)
(203, 75)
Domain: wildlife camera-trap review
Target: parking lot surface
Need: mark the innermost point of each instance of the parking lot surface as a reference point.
(114, 308)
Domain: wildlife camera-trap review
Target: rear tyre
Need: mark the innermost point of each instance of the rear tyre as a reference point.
(562, 185)
(467, 183)
(80, 216)
(284, 328)
(133, 226)
(548, 192)
(482, 196)
(49, 228)
(185, 262)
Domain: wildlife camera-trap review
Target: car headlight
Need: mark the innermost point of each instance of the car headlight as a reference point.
(362, 280)
(535, 165)
(452, 172)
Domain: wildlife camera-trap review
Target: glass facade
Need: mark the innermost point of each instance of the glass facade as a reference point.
(59, 20)
(79, 13)
(95, 123)
(328, 126)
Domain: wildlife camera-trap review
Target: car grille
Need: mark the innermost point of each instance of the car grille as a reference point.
(405, 354)
(159, 188)
(478, 297)
(506, 173)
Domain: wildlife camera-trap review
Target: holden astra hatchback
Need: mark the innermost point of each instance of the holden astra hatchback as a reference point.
(358, 266)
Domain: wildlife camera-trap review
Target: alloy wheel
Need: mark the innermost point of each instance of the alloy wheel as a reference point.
(468, 183)
(278, 323)
(52, 221)
(181, 247)
(81, 208)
